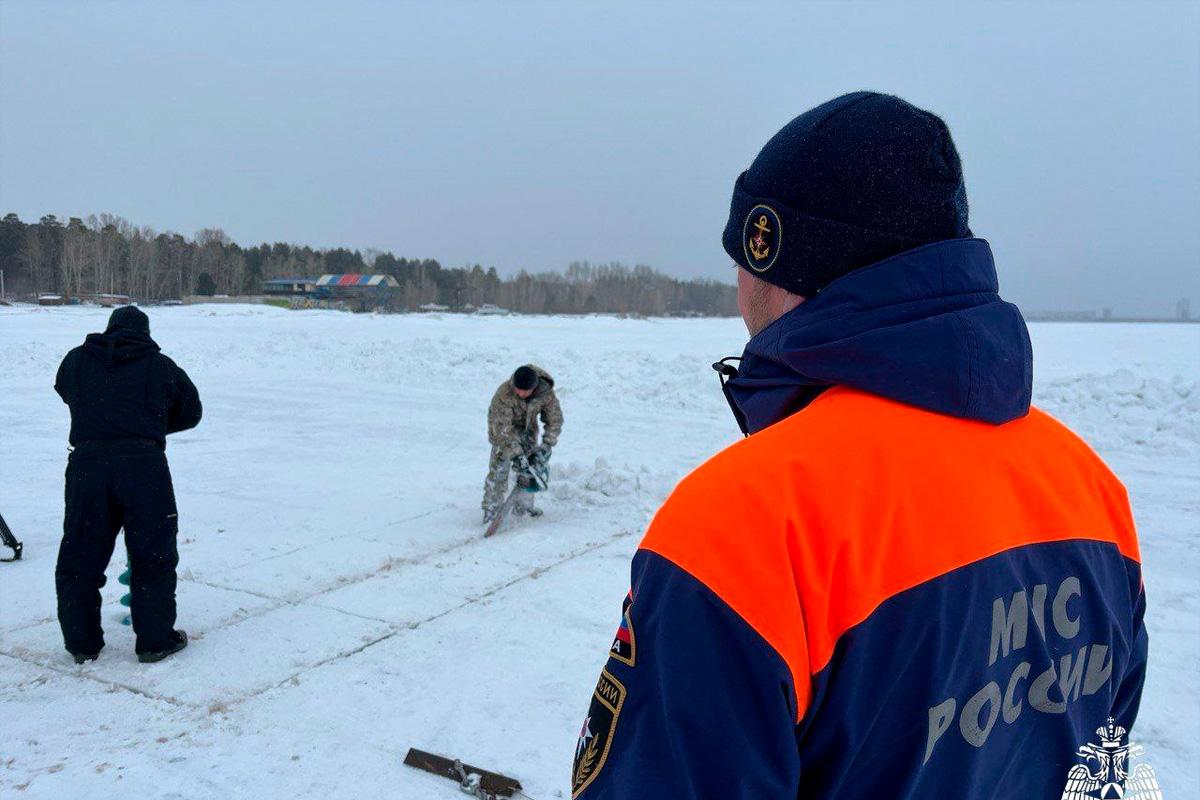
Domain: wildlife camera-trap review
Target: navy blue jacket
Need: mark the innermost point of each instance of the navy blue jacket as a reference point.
(905, 583)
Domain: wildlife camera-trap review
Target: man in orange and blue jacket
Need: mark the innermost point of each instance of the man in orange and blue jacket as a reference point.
(905, 582)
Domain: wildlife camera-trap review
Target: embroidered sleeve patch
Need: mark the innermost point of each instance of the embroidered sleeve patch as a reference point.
(624, 646)
(595, 737)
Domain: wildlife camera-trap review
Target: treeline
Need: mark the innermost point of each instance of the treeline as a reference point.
(108, 254)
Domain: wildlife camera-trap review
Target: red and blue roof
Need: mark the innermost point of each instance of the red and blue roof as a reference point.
(357, 280)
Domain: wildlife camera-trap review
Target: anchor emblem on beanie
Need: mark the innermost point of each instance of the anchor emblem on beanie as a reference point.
(758, 245)
(761, 238)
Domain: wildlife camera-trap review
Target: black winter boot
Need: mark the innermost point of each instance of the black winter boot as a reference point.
(181, 641)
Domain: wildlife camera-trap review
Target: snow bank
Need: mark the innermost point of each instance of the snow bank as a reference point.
(1122, 410)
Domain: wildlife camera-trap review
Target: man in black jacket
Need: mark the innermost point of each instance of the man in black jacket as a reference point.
(125, 397)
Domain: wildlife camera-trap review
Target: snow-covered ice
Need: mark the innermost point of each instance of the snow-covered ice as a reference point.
(341, 602)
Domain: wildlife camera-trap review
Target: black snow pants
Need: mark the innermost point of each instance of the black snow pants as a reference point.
(112, 485)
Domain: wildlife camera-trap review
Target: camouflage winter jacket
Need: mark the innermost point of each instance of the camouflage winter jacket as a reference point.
(510, 418)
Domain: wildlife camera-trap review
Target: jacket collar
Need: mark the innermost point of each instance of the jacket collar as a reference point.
(926, 327)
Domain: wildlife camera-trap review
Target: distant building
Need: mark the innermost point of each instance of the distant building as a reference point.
(287, 286)
(1061, 316)
(354, 286)
(491, 309)
(107, 299)
(434, 307)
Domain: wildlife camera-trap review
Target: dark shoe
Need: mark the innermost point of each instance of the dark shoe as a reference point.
(181, 641)
(83, 658)
(530, 512)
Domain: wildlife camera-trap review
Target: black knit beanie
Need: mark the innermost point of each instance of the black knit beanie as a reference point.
(131, 319)
(525, 379)
(853, 181)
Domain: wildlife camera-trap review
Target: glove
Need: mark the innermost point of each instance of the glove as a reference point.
(541, 453)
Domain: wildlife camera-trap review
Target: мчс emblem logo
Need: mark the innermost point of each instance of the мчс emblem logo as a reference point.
(595, 737)
(761, 237)
(1108, 771)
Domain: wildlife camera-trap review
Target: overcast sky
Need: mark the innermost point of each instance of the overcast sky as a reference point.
(526, 135)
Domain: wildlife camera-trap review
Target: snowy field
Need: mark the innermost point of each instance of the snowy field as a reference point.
(341, 603)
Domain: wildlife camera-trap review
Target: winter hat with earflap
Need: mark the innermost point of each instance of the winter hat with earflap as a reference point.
(525, 378)
(853, 181)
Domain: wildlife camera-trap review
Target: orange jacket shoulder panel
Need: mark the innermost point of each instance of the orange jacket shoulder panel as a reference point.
(806, 527)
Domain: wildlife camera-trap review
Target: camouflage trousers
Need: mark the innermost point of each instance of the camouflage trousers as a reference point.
(495, 486)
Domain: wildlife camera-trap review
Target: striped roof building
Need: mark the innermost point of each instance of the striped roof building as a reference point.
(377, 281)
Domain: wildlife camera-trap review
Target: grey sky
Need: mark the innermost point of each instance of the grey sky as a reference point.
(530, 135)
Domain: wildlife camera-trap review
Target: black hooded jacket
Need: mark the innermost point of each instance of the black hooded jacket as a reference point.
(119, 386)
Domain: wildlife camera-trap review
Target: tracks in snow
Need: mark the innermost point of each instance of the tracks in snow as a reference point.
(393, 630)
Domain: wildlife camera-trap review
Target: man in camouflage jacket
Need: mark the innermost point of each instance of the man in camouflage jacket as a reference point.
(519, 403)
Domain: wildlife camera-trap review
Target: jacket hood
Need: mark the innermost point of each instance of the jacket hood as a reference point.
(545, 382)
(926, 327)
(119, 346)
